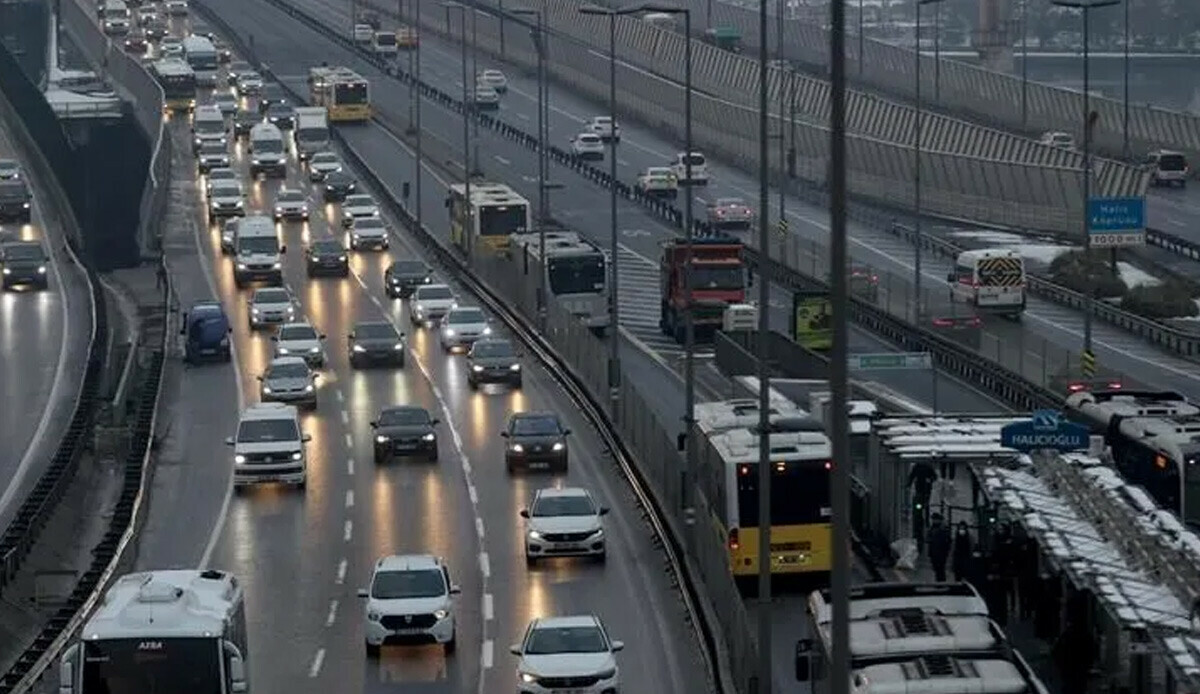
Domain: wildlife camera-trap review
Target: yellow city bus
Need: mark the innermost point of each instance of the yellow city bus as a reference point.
(344, 93)
(495, 211)
(800, 515)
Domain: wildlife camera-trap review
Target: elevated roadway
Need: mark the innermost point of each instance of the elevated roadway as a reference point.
(44, 338)
(302, 555)
(1044, 322)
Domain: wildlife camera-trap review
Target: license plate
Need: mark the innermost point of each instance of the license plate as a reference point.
(208, 350)
(408, 632)
(539, 465)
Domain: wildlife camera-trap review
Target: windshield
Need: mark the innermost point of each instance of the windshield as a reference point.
(327, 247)
(249, 77)
(717, 277)
(21, 251)
(354, 93)
(162, 666)
(267, 431)
(731, 202)
(659, 173)
(375, 331)
(271, 296)
(466, 316)
(291, 196)
(368, 223)
(535, 426)
(324, 159)
(799, 493)
(546, 641)
(298, 370)
(280, 111)
(209, 127)
(563, 506)
(577, 275)
(359, 201)
(385, 39)
(268, 145)
(394, 585)
(409, 267)
(492, 349)
(502, 220)
(312, 134)
(1172, 162)
(434, 293)
(226, 190)
(212, 148)
(403, 417)
(297, 332)
(260, 244)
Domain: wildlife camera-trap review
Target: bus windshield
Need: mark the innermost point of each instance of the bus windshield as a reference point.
(350, 93)
(178, 86)
(582, 274)
(209, 127)
(312, 135)
(258, 244)
(163, 666)
(799, 494)
(502, 220)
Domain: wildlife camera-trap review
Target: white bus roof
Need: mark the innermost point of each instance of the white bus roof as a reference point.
(172, 603)
(168, 67)
(724, 415)
(873, 599)
(943, 674)
(1101, 406)
(913, 632)
(741, 446)
(194, 43)
(565, 249)
(974, 256)
(532, 238)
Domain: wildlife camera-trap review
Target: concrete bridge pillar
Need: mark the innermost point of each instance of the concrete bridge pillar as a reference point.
(995, 35)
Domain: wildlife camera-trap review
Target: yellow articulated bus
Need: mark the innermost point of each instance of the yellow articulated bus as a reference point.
(344, 93)
(495, 212)
(801, 463)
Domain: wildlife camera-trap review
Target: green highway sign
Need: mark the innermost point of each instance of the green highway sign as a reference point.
(890, 360)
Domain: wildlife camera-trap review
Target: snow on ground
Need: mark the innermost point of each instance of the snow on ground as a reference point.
(1043, 253)
(999, 238)
(1133, 277)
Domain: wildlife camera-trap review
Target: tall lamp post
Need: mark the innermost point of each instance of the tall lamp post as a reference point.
(468, 108)
(764, 374)
(861, 25)
(917, 166)
(1086, 7)
(1125, 125)
(414, 56)
(1024, 64)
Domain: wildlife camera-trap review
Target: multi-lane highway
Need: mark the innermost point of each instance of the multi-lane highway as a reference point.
(44, 336)
(302, 555)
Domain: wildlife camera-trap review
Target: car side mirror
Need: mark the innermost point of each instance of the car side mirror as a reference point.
(306, 438)
(229, 441)
(322, 336)
(566, 432)
(604, 510)
(455, 590)
(350, 336)
(504, 434)
(435, 421)
(274, 338)
(618, 646)
(514, 649)
(524, 513)
(374, 425)
(260, 378)
(362, 593)
(403, 335)
(316, 377)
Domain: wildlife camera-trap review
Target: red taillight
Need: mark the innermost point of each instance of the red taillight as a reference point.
(1075, 387)
(942, 322)
(828, 465)
(1114, 386)
(733, 540)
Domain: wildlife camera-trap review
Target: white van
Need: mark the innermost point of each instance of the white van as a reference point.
(990, 279)
(268, 152)
(699, 168)
(269, 446)
(115, 18)
(208, 125)
(384, 44)
(257, 252)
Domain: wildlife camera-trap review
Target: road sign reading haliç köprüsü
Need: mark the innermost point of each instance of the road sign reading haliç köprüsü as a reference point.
(1046, 430)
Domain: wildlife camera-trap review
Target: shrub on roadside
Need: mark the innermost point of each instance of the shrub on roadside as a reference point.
(1077, 269)
(1167, 300)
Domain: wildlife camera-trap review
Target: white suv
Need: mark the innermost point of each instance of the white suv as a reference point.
(430, 303)
(563, 522)
(567, 653)
(606, 128)
(587, 146)
(269, 446)
(410, 601)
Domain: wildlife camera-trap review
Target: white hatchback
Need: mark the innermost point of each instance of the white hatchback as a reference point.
(587, 146)
(358, 206)
(410, 601)
(560, 653)
(369, 232)
(299, 340)
(430, 303)
(462, 327)
(563, 522)
(494, 79)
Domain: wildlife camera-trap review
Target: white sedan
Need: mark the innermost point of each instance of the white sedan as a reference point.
(299, 340)
(494, 79)
(562, 652)
(356, 207)
(369, 232)
(563, 522)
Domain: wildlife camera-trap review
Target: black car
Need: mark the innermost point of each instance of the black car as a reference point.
(282, 116)
(271, 95)
(402, 278)
(337, 185)
(155, 29)
(16, 202)
(327, 257)
(136, 43)
(405, 430)
(244, 121)
(493, 361)
(25, 264)
(376, 343)
(536, 441)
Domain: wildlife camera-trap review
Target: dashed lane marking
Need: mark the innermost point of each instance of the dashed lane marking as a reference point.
(349, 498)
(341, 572)
(350, 466)
(332, 616)
(348, 530)
(489, 607)
(485, 566)
(349, 440)
(318, 661)
(479, 529)
(488, 655)
(345, 417)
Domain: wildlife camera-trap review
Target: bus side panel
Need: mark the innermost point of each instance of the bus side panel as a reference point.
(797, 549)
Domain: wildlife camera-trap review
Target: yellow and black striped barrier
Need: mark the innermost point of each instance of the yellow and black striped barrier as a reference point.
(1001, 272)
(1087, 363)
(781, 228)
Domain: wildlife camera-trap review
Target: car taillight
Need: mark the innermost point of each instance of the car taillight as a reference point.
(734, 545)
(942, 322)
(1075, 387)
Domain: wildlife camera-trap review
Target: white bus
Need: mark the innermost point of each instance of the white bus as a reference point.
(912, 637)
(576, 273)
(203, 58)
(162, 631)
(990, 279)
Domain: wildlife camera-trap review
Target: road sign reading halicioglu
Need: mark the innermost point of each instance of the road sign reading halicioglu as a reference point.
(1114, 222)
(890, 360)
(1047, 430)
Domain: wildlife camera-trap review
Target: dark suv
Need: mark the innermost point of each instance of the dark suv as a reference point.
(536, 440)
(16, 202)
(25, 264)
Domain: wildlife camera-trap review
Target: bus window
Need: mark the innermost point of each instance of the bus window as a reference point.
(502, 220)
(350, 93)
(799, 494)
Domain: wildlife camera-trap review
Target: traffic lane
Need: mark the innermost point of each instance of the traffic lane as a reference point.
(1175, 211)
(660, 647)
(201, 405)
(44, 337)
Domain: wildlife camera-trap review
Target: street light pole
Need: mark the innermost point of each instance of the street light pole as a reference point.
(918, 251)
(476, 169)
(937, 53)
(861, 25)
(539, 45)
(1024, 64)
(782, 115)
(416, 73)
(468, 108)
(413, 94)
(1125, 125)
(765, 684)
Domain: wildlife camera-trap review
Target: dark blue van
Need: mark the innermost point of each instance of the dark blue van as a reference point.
(205, 333)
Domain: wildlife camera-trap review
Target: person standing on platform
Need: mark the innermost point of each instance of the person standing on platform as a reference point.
(921, 479)
(939, 546)
(961, 558)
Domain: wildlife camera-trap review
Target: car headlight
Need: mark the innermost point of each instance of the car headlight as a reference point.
(242, 266)
(528, 678)
(607, 674)
(252, 310)
(341, 258)
(597, 532)
(535, 535)
(373, 616)
(7, 271)
(429, 437)
(297, 455)
(557, 447)
(515, 367)
(239, 459)
(278, 210)
(381, 439)
(518, 448)
(487, 331)
(315, 350)
(476, 368)
(441, 614)
(448, 332)
(266, 390)
(284, 350)
(256, 161)
(25, 205)
(399, 346)
(308, 388)
(428, 280)
(359, 349)
(290, 309)
(276, 266)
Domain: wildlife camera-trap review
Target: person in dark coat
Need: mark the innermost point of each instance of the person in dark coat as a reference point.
(961, 559)
(921, 479)
(939, 546)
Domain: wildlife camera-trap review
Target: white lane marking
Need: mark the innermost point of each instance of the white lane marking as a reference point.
(479, 529)
(349, 440)
(485, 565)
(523, 116)
(348, 530)
(502, 160)
(473, 494)
(338, 394)
(489, 608)
(350, 466)
(318, 661)
(1177, 222)
(345, 417)
(341, 572)
(488, 656)
(349, 498)
(332, 616)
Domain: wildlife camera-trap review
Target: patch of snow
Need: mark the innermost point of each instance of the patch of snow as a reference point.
(1134, 277)
(1044, 253)
(999, 238)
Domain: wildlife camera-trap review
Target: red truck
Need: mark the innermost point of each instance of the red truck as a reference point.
(718, 280)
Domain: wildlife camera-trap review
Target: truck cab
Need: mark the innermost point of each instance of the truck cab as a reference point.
(718, 281)
(205, 333)
(726, 38)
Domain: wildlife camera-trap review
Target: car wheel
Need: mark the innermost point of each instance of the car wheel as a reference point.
(511, 467)
(372, 651)
(302, 484)
(600, 558)
(433, 456)
(472, 384)
(530, 560)
(562, 465)
(379, 458)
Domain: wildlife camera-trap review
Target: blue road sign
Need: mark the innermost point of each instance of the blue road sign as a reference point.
(1117, 221)
(1046, 430)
